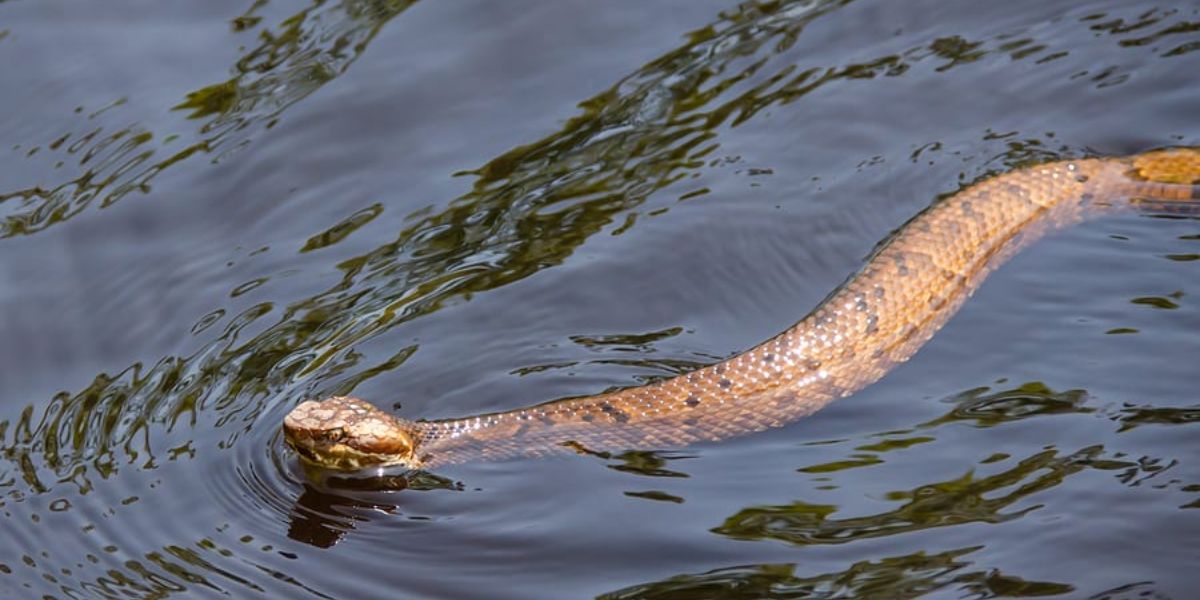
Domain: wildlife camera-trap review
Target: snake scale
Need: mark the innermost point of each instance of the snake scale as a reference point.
(912, 284)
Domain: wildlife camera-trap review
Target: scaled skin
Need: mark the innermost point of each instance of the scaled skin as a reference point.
(916, 280)
(347, 434)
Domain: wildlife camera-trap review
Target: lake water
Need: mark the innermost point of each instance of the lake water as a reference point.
(211, 212)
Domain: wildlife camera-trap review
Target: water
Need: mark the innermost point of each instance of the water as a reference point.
(449, 208)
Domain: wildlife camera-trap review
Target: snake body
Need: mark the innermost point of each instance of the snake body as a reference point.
(913, 283)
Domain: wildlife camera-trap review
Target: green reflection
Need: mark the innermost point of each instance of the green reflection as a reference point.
(1156, 302)
(657, 496)
(645, 463)
(858, 460)
(895, 444)
(971, 498)
(305, 52)
(1133, 416)
(626, 342)
(340, 230)
(967, 499)
(908, 576)
(1031, 399)
(648, 464)
(643, 133)
(529, 209)
(205, 566)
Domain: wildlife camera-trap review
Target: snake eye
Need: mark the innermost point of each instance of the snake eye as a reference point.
(335, 434)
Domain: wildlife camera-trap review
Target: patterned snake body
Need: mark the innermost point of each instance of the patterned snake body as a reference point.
(913, 283)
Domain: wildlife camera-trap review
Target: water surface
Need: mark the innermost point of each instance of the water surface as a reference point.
(210, 214)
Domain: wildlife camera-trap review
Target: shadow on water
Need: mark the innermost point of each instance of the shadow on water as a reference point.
(529, 209)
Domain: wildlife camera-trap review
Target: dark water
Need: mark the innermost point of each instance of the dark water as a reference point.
(454, 207)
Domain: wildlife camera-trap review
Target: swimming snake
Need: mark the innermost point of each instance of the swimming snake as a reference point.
(913, 283)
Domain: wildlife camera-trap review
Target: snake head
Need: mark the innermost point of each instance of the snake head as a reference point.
(348, 434)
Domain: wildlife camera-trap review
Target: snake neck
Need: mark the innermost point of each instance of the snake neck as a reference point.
(913, 282)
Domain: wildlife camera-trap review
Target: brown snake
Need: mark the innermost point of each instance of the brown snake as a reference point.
(879, 317)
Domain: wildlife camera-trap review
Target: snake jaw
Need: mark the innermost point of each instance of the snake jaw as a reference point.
(349, 434)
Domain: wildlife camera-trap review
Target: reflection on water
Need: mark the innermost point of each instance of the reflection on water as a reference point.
(94, 458)
(1033, 399)
(909, 576)
(325, 511)
(967, 499)
(308, 50)
(971, 498)
(530, 209)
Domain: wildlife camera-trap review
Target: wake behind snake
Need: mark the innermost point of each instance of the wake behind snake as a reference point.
(913, 283)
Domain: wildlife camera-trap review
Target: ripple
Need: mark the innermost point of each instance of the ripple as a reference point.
(168, 476)
(272, 76)
(906, 576)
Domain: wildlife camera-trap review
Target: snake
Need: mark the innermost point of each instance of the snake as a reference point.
(907, 289)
